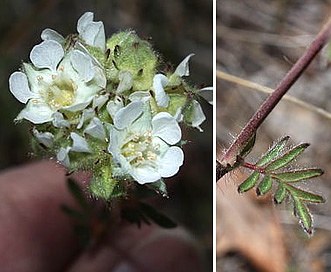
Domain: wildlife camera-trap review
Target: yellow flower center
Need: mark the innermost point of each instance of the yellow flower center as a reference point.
(141, 149)
(60, 93)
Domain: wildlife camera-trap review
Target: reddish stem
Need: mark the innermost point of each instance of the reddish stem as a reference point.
(229, 158)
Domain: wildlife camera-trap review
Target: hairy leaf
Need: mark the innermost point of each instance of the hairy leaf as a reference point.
(273, 152)
(302, 212)
(249, 183)
(286, 158)
(298, 175)
(280, 193)
(304, 195)
(264, 186)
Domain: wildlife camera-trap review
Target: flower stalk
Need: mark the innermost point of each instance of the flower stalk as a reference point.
(229, 159)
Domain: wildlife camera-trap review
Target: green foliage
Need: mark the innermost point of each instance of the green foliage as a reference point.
(270, 167)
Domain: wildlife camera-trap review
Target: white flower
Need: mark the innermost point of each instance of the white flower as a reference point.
(93, 33)
(55, 81)
(143, 146)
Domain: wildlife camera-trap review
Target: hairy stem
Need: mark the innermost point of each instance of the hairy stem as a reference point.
(230, 156)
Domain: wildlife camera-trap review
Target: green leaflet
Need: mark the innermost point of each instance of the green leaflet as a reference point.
(302, 212)
(273, 152)
(286, 158)
(280, 193)
(298, 175)
(303, 195)
(248, 147)
(249, 183)
(264, 186)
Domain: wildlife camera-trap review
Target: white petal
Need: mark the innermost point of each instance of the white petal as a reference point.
(178, 115)
(99, 77)
(94, 35)
(79, 143)
(125, 116)
(169, 164)
(126, 81)
(84, 20)
(166, 127)
(36, 112)
(142, 96)
(86, 115)
(183, 69)
(45, 138)
(145, 174)
(159, 82)
(47, 54)
(50, 34)
(99, 101)
(82, 63)
(114, 106)
(63, 157)
(78, 106)
(95, 129)
(59, 121)
(198, 117)
(19, 87)
(207, 94)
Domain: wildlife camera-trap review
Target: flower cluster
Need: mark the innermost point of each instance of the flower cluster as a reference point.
(102, 105)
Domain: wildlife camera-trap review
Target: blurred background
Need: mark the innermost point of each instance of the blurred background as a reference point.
(176, 28)
(260, 41)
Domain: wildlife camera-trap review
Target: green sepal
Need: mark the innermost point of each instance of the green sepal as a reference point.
(298, 175)
(248, 146)
(286, 158)
(104, 185)
(273, 152)
(280, 193)
(249, 183)
(264, 186)
(302, 212)
(304, 195)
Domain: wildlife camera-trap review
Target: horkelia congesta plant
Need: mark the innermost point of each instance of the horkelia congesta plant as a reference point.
(103, 106)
